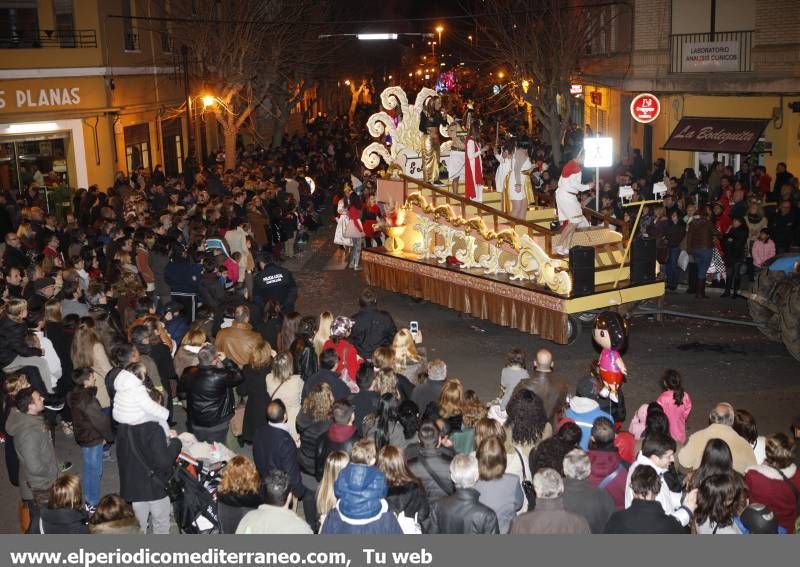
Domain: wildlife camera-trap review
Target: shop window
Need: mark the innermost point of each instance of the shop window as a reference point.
(27, 159)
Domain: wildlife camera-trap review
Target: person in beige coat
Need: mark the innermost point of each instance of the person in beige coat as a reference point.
(283, 385)
(720, 427)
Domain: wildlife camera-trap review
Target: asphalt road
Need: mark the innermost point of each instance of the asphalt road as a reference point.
(719, 362)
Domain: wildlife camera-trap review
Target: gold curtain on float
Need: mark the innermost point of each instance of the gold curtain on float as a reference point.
(501, 303)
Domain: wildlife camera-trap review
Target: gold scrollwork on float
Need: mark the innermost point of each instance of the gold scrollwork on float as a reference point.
(529, 261)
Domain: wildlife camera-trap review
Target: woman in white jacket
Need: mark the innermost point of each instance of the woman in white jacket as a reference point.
(132, 402)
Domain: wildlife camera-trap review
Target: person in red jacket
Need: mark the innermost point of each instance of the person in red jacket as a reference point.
(609, 470)
(776, 482)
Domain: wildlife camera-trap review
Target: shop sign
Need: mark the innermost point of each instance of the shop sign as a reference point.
(26, 99)
(728, 135)
(576, 90)
(645, 108)
(710, 56)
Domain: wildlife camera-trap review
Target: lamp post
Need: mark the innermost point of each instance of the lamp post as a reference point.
(439, 30)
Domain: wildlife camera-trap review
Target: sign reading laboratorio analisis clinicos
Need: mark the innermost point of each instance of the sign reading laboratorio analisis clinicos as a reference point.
(645, 108)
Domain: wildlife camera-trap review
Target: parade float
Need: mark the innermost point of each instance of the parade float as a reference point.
(477, 259)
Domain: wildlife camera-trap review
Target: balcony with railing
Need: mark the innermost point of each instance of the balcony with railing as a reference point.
(21, 38)
(718, 52)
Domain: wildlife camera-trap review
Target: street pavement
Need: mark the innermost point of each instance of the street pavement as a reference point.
(718, 361)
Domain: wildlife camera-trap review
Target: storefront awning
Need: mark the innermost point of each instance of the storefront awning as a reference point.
(727, 135)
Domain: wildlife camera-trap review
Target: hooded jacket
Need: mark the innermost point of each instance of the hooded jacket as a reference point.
(37, 457)
(605, 463)
(361, 507)
(338, 438)
(583, 411)
(132, 404)
(62, 521)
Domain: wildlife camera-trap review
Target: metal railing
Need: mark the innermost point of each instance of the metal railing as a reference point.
(131, 41)
(727, 52)
(439, 195)
(36, 38)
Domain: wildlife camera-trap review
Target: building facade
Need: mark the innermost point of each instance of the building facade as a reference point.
(87, 90)
(713, 64)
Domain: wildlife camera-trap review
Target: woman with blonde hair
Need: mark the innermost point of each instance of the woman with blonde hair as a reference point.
(384, 381)
(312, 424)
(451, 403)
(64, 513)
(239, 492)
(323, 331)
(88, 352)
(255, 388)
(284, 385)
(326, 498)
(407, 360)
(186, 355)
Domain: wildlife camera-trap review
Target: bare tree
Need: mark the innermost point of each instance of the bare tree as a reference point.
(237, 50)
(541, 44)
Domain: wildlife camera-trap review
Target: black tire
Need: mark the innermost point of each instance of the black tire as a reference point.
(573, 329)
(586, 318)
(790, 321)
(768, 320)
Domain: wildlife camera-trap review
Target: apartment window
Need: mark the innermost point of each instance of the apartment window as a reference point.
(129, 27)
(162, 11)
(19, 24)
(65, 22)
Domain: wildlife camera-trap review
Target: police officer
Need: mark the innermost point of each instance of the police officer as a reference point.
(274, 281)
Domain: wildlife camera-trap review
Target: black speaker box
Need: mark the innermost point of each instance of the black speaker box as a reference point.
(643, 261)
(581, 266)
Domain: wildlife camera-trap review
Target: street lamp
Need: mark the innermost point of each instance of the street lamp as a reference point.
(439, 30)
(208, 100)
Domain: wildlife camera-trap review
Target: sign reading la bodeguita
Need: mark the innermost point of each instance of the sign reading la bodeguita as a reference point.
(35, 98)
(728, 135)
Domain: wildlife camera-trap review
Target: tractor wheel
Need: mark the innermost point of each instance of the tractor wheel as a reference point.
(768, 320)
(790, 321)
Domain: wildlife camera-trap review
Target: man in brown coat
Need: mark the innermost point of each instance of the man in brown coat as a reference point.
(549, 517)
(239, 340)
(547, 385)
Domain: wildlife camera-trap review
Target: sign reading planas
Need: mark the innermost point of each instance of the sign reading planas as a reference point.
(35, 98)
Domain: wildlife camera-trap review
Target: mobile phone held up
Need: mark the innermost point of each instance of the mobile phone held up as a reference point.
(413, 326)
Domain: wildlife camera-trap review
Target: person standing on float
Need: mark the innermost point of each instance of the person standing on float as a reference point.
(570, 210)
(473, 169)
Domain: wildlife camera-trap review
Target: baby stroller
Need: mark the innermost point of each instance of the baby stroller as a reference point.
(193, 489)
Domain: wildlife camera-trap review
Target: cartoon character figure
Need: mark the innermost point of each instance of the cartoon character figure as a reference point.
(611, 333)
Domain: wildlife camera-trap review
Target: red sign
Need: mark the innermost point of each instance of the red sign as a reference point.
(596, 97)
(645, 108)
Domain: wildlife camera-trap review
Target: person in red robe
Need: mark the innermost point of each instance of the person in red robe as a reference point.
(473, 166)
